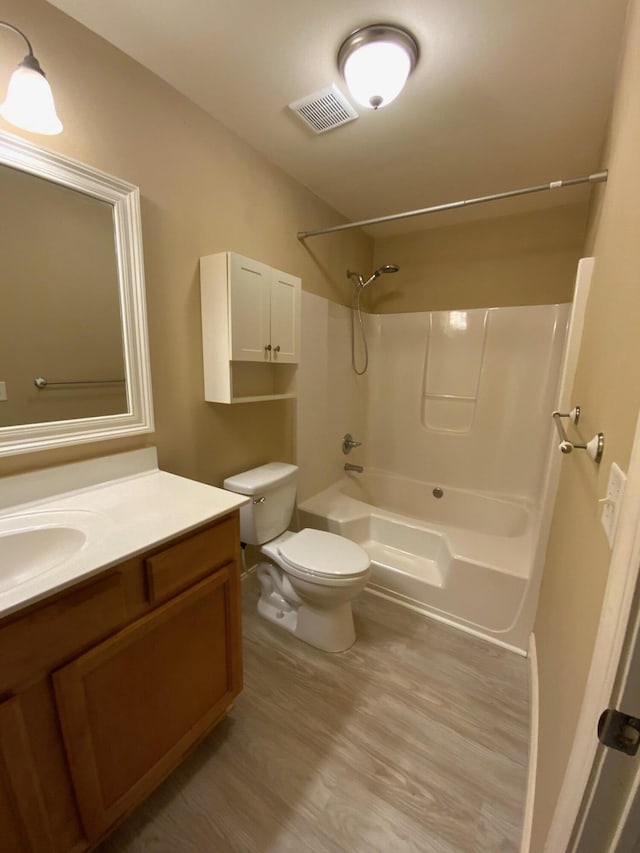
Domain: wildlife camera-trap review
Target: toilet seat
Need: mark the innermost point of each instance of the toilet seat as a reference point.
(323, 555)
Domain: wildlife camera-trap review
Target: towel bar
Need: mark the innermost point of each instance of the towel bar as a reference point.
(41, 382)
(594, 447)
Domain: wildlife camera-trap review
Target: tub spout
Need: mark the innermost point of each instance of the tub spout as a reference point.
(349, 467)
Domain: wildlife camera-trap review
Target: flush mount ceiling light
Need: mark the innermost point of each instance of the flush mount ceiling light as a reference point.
(29, 102)
(375, 62)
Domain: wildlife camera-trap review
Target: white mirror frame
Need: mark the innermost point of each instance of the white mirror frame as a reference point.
(125, 200)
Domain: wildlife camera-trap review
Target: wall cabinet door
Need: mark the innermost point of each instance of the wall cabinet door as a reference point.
(264, 312)
(285, 318)
(23, 821)
(249, 309)
(132, 706)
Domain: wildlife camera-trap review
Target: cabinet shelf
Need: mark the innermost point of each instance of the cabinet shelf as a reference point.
(251, 382)
(257, 398)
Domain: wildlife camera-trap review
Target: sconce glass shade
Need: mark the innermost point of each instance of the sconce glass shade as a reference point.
(375, 62)
(29, 102)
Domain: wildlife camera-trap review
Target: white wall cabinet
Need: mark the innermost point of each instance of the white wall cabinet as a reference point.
(250, 329)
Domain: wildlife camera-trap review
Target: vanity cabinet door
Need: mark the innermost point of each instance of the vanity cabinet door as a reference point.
(131, 707)
(23, 821)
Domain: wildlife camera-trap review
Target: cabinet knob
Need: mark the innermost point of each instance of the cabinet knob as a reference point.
(277, 349)
(268, 347)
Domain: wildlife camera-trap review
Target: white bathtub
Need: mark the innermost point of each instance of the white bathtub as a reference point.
(464, 558)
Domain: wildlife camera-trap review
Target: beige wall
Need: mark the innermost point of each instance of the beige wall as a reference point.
(203, 190)
(607, 387)
(527, 259)
(59, 302)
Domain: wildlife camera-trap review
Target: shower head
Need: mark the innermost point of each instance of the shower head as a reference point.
(387, 268)
(355, 277)
(359, 281)
(359, 285)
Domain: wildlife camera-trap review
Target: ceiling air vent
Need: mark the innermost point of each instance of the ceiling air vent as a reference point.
(324, 110)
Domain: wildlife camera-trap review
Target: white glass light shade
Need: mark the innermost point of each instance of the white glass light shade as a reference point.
(376, 73)
(29, 103)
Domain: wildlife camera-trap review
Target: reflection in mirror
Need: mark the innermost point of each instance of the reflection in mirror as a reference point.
(74, 355)
(59, 304)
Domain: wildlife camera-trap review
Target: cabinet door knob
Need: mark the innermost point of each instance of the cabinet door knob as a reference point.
(268, 347)
(277, 349)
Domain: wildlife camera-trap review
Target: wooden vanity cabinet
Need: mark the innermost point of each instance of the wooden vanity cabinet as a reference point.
(23, 821)
(132, 707)
(110, 704)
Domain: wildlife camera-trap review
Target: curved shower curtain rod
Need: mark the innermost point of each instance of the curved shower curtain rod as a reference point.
(595, 178)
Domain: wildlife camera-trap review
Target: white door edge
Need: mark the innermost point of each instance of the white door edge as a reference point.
(625, 698)
(614, 618)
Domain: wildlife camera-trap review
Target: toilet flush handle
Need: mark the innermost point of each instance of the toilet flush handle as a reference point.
(259, 500)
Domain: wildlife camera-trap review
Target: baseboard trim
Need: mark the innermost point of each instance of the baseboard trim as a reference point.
(534, 717)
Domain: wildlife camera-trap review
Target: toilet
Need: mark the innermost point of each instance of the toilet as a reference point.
(309, 578)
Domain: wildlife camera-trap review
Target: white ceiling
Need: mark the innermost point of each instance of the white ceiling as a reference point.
(507, 93)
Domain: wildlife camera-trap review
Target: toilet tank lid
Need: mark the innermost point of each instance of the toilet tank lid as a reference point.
(261, 479)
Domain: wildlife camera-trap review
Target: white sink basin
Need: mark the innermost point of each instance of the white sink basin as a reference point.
(34, 543)
(60, 526)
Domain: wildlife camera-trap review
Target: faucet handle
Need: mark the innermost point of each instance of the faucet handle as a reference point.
(348, 443)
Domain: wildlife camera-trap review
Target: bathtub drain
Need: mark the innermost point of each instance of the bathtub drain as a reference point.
(438, 492)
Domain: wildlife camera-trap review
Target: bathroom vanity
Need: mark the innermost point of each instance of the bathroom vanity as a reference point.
(120, 635)
(108, 680)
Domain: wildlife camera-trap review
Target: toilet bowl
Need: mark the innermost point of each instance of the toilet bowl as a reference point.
(308, 579)
(309, 583)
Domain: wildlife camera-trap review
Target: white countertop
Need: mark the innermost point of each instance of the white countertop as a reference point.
(120, 517)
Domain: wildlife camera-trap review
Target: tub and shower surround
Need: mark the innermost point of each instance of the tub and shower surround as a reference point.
(457, 401)
(463, 398)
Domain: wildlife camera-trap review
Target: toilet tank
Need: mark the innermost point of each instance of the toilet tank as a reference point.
(272, 489)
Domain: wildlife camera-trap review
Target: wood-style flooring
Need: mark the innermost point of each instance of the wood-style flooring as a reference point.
(413, 740)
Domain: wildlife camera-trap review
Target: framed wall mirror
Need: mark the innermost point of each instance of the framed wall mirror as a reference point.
(74, 357)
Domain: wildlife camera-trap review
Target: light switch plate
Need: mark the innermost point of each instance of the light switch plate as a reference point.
(612, 501)
(3, 391)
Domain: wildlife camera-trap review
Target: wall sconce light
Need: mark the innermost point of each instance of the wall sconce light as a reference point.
(375, 62)
(29, 102)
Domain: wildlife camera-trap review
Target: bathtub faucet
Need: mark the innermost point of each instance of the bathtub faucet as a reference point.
(349, 467)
